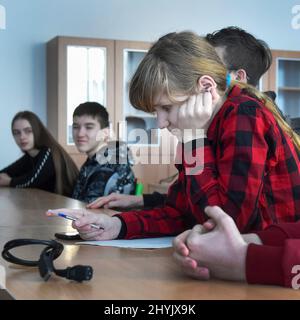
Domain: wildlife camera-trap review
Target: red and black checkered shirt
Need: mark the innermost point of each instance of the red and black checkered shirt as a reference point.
(250, 169)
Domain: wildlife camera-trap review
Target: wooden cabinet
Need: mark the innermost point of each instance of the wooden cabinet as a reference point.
(70, 81)
(283, 77)
(84, 69)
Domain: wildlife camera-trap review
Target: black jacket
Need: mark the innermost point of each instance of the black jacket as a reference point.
(33, 172)
(107, 171)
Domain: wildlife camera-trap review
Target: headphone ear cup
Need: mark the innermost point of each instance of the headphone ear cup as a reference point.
(45, 266)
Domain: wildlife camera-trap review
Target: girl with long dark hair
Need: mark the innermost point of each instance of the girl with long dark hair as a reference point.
(45, 164)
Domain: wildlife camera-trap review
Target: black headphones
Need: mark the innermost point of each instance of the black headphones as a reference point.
(46, 267)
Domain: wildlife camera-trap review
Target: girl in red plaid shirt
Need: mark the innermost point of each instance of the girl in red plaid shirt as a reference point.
(235, 150)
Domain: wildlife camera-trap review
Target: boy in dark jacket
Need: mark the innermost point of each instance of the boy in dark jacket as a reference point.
(108, 166)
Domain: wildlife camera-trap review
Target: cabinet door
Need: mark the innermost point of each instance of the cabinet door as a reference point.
(128, 56)
(78, 70)
(153, 149)
(284, 79)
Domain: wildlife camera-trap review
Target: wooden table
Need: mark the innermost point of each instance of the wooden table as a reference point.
(118, 273)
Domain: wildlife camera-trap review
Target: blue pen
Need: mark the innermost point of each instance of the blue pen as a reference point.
(60, 214)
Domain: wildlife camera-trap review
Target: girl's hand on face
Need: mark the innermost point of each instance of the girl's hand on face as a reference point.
(195, 116)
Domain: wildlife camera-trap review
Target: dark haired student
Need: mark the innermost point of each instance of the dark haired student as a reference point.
(108, 165)
(45, 164)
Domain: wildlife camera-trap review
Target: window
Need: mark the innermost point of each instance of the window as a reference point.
(86, 74)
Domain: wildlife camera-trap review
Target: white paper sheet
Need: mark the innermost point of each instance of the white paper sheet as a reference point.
(148, 243)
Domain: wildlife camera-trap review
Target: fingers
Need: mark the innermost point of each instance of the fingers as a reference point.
(199, 104)
(114, 204)
(87, 220)
(83, 228)
(209, 225)
(189, 266)
(207, 102)
(187, 110)
(92, 235)
(179, 243)
(182, 110)
(216, 213)
(82, 216)
(185, 262)
(76, 213)
(221, 218)
(200, 273)
(114, 200)
(182, 114)
(100, 202)
(199, 229)
(190, 109)
(204, 106)
(194, 242)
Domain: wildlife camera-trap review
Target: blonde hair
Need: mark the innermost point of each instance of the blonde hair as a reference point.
(173, 66)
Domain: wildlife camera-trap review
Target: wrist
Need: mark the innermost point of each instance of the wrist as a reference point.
(117, 226)
(138, 201)
(122, 229)
(241, 266)
(252, 238)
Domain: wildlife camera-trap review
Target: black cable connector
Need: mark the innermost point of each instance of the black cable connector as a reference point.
(79, 273)
(45, 263)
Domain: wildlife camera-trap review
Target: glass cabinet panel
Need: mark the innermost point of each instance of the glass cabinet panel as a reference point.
(288, 86)
(78, 70)
(140, 128)
(86, 79)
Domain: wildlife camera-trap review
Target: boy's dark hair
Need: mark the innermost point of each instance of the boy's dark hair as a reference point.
(95, 110)
(242, 51)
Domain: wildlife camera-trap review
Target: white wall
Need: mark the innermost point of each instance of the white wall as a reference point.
(31, 23)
